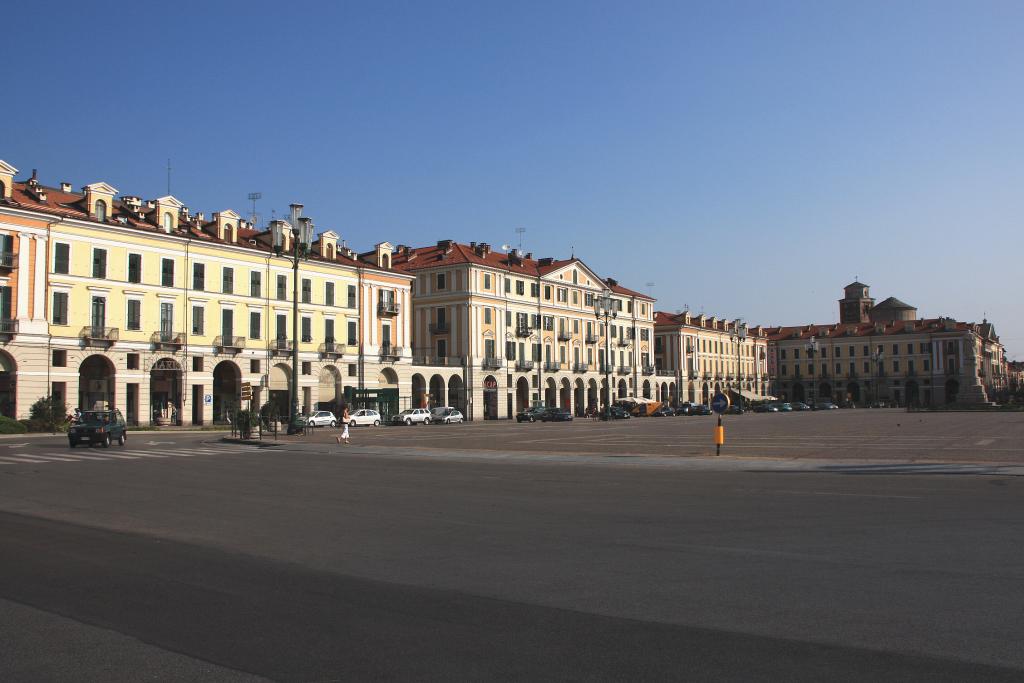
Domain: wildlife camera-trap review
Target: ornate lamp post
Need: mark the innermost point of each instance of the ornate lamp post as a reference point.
(739, 338)
(300, 229)
(604, 307)
(812, 348)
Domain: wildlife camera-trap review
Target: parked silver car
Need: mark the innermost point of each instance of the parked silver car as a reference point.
(323, 418)
(446, 415)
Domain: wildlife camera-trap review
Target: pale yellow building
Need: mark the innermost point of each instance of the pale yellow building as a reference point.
(706, 355)
(163, 312)
(518, 331)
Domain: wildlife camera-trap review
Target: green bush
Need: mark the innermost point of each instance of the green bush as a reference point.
(48, 414)
(9, 426)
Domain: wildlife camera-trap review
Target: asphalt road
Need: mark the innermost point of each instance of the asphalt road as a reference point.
(193, 560)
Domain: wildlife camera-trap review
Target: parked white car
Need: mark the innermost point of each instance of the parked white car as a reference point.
(412, 416)
(446, 415)
(363, 417)
(323, 418)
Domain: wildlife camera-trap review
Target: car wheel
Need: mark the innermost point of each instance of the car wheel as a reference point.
(334, 423)
(408, 422)
(533, 419)
(121, 439)
(106, 441)
(376, 423)
(426, 421)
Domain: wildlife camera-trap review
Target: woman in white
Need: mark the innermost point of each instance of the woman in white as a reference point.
(345, 419)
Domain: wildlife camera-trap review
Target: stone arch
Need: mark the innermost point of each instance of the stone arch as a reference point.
(550, 393)
(419, 391)
(565, 395)
(490, 398)
(165, 392)
(457, 393)
(646, 389)
(623, 392)
(227, 387)
(705, 393)
(853, 392)
(8, 385)
(798, 392)
(824, 391)
(330, 392)
(96, 377)
(387, 378)
(579, 397)
(691, 394)
(522, 394)
(671, 398)
(437, 391)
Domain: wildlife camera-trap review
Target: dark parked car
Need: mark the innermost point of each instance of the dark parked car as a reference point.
(530, 414)
(766, 408)
(684, 408)
(827, 405)
(785, 408)
(556, 415)
(699, 409)
(799, 405)
(619, 413)
(663, 411)
(734, 409)
(99, 427)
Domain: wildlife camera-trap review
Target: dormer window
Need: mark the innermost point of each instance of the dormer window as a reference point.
(168, 222)
(101, 210)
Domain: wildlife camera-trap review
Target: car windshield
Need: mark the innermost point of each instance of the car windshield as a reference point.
(406, 412)
(97, 416)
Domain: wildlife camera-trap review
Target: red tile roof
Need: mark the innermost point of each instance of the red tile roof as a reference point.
(448, 252)
(841, 330)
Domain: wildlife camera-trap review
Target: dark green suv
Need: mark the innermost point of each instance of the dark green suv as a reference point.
(102, 427)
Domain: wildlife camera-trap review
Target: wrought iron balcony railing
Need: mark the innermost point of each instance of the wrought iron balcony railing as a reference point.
(92, 334)
(524, 365)
(228, 343)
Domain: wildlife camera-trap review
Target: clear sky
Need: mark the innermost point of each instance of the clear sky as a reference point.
(748, 158)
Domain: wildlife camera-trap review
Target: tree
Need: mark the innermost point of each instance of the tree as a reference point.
(47, 414)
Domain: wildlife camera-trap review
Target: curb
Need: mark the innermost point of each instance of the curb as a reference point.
(249, 442)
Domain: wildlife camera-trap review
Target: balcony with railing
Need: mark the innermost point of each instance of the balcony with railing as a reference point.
(622, 341)
(523, 330)
(99, 335)
(564, 335)
(387, 308)
(664, 372)
(580, 367)
(648, 370)
(390, 353)
(439, 361)
(8, 260)
(165, 339)
(606, 368)
(592, 338)
(8, 328)
(439, 327)
(492, 363)
(623, 369)
(552, 366)
(281, 345)
(524, 365)
(228, 343)
(331, 349)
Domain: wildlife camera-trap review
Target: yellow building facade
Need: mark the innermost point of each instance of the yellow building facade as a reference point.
(517, 331)
(708, 355)
(164, 313)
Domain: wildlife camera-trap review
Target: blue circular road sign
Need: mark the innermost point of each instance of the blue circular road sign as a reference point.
(720, 403)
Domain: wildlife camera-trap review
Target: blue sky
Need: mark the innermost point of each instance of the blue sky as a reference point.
(748, 158)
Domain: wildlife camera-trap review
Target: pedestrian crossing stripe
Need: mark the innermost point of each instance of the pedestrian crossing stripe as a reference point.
(73, 456)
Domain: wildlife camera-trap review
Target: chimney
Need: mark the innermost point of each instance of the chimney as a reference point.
(611, 282)
(65, 187)
(546, 261)
(529, 255)
(444, 244)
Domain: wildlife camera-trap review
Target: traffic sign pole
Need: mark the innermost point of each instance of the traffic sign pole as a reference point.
(719, 404)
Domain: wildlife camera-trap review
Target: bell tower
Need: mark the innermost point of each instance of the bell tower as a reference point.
(855, 304)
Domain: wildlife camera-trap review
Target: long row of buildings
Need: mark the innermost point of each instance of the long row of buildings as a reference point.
(163, 312)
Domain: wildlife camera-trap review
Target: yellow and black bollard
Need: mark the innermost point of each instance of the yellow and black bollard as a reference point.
(719, 436)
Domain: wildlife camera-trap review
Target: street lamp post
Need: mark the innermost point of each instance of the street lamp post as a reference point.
(812, 348)
(740, 337)
(604, 307)
(876, 357)
(300, 229)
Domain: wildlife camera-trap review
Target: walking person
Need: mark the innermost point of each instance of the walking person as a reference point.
(345, 418)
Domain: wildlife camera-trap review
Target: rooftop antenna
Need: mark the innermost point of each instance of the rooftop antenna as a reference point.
(255, 218)
(520, 231)
(168, 176)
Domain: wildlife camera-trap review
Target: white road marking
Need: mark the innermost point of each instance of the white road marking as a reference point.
(985, 442)
(11, 459)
